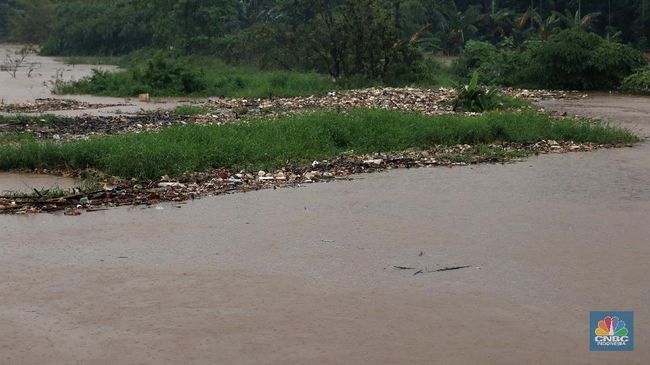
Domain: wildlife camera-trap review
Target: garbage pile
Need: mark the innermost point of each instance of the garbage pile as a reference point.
(47, 105)
(223, 111)
(426, 101)
(88, 125)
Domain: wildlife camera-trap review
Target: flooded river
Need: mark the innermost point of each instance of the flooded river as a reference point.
(26, 87)
(26, 183)
(320, 274)
(309, 275)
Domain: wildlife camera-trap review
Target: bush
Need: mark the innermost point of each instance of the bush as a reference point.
(638, 82)
(169, 76)
(475, 98)
(577, 60)
(475, 55)
(503, 66)
(102, 83)
(571, 59)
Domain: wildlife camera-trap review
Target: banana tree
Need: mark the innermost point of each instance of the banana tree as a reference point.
(458, 26)
(544, 26)
(498, 24)
(577, 20)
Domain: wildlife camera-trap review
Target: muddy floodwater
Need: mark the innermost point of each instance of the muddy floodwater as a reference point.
(346, 272)
(28, 86)
(26, 183)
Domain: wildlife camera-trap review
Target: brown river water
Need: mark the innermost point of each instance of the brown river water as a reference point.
(308, 275)
(25, 89)
(26, 183)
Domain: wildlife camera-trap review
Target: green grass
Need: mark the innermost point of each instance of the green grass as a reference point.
(446, 77)
(186, 110)
(295, 140)
(208, 77)
(511, 102)
(165, 74)
(16, 138)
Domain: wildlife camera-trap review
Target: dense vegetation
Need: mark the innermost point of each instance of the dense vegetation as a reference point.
(297, 140)
(166, 74)
(638, 82)
(569, 59)
(354, 42)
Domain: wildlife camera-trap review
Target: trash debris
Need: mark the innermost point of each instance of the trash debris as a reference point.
(404, 267)
(451, 268)
(232, 110)
(441, 270)
(119, 192)
(50, 104)
(426, 271)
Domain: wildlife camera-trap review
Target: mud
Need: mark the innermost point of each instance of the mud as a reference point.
(26, 183)
(308, 275)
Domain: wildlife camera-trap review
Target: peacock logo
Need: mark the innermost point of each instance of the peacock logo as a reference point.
(611, 331)
(611, 326)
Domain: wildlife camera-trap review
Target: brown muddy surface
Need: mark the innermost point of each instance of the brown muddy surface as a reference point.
(26, 183)
(307, 275)
(26, 89)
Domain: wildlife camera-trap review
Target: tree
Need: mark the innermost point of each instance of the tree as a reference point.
(31, 21)
(5, 9)
(544, 26)
(458, 26)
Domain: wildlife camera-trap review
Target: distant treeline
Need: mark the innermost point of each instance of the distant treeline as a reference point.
(371, 38)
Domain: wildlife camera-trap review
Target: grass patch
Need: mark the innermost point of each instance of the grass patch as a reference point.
(196, 76)
(186, 110)
(446, 77)
(16, 138)
(296, 140)
(511, 102)
(166, 74)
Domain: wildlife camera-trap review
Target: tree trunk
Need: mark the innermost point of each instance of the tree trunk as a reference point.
(397, 5)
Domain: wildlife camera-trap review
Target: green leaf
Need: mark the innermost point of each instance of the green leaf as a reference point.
(474, 83)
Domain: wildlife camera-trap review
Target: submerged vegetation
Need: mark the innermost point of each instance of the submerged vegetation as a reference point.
(296, 141)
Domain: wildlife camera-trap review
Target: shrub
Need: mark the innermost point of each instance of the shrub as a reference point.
(638, 82)
(575, 59)
(476, 98)
(570, 59)
(474, 55)
(504, 66)
(169, 76)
